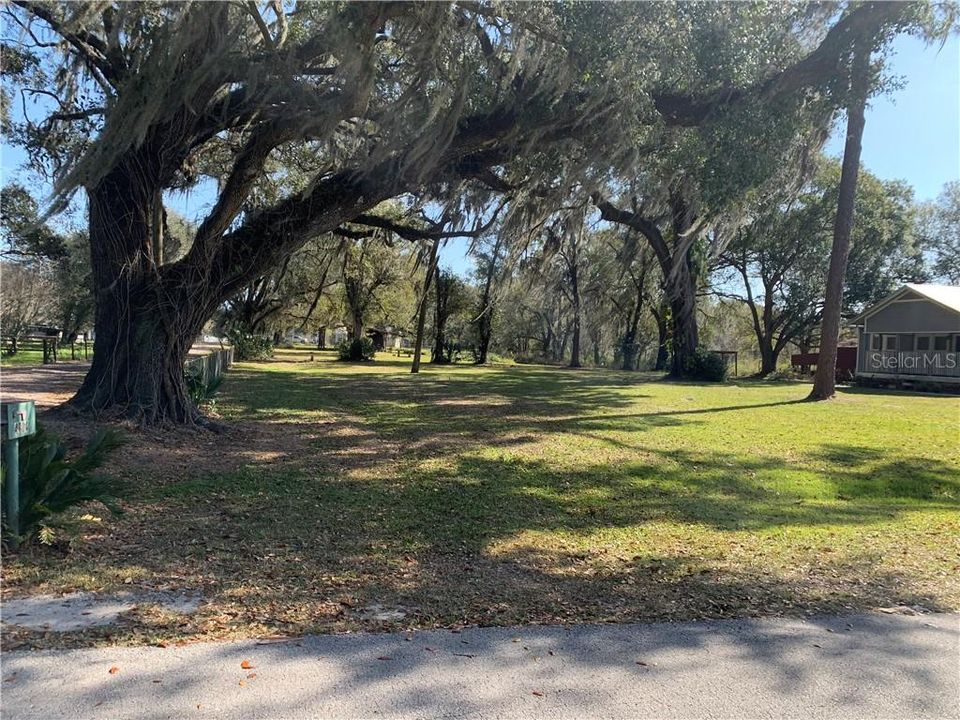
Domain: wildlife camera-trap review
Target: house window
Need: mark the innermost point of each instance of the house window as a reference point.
(956, 343)
(875, 342)
(923, 342)
(889, 342)
(906, 343)
(941, 342)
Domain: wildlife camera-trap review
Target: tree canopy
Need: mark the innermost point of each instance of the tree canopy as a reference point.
(308, 116)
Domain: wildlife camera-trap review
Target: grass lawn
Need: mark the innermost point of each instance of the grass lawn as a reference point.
(23, 357)
(522, 494)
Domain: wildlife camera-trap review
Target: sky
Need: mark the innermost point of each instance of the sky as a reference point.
(911, 134)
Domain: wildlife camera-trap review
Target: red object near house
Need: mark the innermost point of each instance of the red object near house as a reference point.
(846, 361)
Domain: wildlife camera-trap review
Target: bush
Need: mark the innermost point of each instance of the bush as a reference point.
(250, 347)
(705, 365)
(356, 350)
(200, 390)
(50, 484)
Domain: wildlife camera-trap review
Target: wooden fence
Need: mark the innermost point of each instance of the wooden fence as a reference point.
(211, 366)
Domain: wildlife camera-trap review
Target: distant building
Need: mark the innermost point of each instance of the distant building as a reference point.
(911, 335)
(389, 338)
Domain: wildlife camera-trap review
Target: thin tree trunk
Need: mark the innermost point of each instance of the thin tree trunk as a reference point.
(485, 320)
(629, 346)
(663, 337)
(824, 382)
(422, 309)
(575, 341)
(442, 291)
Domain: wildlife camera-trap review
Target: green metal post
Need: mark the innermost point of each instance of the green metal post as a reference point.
(11, 458)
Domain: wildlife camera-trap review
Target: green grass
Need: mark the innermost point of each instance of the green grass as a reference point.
(508, 495)
(35, 357)
(23, 357)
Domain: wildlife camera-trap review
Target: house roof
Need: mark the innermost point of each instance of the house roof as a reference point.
(947, 296)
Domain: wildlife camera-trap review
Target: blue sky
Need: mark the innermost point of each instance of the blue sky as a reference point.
(911, 134)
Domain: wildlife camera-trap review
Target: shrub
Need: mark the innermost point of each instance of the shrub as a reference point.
(356, 350)
(705, 365)
(247, 346)
(50, 484)
(200, 390)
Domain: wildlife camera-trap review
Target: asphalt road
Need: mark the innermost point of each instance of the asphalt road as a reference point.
(866, 666)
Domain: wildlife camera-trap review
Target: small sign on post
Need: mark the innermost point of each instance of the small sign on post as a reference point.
(17, 419)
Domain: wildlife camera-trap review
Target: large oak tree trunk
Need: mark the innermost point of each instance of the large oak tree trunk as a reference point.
(768, 357)
(137, 368)
(681, 290)
(663, 337)
(824, 382)
(145, 319)
(681, 294)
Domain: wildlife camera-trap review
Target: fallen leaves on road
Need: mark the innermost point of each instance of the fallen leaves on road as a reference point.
(114, 670)
(247, 665)
(538, 693)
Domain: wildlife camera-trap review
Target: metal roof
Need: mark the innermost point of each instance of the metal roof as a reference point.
(946, 295)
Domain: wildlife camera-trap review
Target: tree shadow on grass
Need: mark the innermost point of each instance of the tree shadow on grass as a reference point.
(412, 498)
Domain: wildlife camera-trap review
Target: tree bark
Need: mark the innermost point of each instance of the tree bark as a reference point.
(422, 309)
(663, 337)
(768, 358)
(485, 319)
(824, 382)
(575, 341)
(685, 335)
(145, 318)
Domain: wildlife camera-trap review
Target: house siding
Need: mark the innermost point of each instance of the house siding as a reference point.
(913, 315)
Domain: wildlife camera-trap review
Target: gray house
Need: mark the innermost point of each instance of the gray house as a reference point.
(912, 335)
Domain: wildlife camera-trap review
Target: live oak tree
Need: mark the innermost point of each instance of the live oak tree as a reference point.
(777, 264)
(389, 98)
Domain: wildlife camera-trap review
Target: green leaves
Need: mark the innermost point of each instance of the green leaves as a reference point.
(50, 484)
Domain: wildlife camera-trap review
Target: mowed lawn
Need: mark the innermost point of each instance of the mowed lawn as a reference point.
(525, 494)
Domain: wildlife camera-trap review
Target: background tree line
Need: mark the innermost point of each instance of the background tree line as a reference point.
(342, 142)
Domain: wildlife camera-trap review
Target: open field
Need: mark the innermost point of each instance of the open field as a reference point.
(522, 494)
